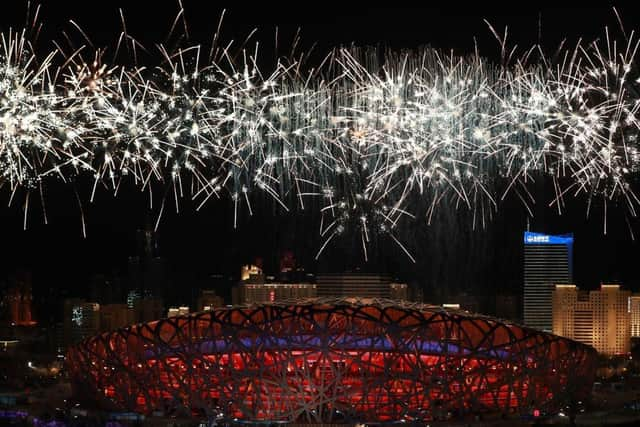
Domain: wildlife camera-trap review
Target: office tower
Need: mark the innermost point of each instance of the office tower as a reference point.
(572, 313)
(600, 318)
(146, 270)
(547, 261)
(612, 319)
(84, 321)
(67, 320)
(133, 296)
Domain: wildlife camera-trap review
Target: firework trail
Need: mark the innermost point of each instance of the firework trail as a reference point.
(371, 144)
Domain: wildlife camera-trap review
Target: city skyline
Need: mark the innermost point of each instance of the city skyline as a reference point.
(270, 215)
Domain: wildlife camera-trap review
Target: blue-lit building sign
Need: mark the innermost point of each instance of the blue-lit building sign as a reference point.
(547, 239)
(531, 238)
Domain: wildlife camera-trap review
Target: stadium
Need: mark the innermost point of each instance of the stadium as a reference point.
(331, 361)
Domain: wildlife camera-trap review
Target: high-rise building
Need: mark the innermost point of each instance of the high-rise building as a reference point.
(82, 319)
(360, 285)
(548, 260)
(613, 319)
(600, 318)
(85, 320)
(146, 271)
(133, 296)
(634, 309)
(67, 320)
(572, 313)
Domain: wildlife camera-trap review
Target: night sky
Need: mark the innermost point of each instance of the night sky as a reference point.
(449, 254)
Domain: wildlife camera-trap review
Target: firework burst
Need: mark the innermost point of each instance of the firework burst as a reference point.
(371, 146)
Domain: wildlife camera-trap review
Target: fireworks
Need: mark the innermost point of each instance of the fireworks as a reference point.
(371, 147)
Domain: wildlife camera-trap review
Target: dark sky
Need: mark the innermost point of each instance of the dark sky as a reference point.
(449, 254)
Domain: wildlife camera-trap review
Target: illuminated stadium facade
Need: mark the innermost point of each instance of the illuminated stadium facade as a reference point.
(331, 361)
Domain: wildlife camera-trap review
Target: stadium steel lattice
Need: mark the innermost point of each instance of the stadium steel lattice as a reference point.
(331, 361)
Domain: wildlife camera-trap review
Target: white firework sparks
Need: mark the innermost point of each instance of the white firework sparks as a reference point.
(371, 147)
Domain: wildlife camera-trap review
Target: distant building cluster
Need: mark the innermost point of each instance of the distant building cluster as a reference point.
(606, 318)
(110, 309)
(82, 319)
(293, 283)
(140, 297)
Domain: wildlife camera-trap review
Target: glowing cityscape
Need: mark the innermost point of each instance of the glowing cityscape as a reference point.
(406, 216)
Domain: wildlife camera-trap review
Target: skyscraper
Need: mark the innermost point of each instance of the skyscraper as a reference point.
(548, 261)
(85, 320)
(147, 270)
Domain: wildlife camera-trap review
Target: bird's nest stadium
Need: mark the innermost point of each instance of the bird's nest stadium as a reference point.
(331, 361)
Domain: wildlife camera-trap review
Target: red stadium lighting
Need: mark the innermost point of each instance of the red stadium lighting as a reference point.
(331, 361)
